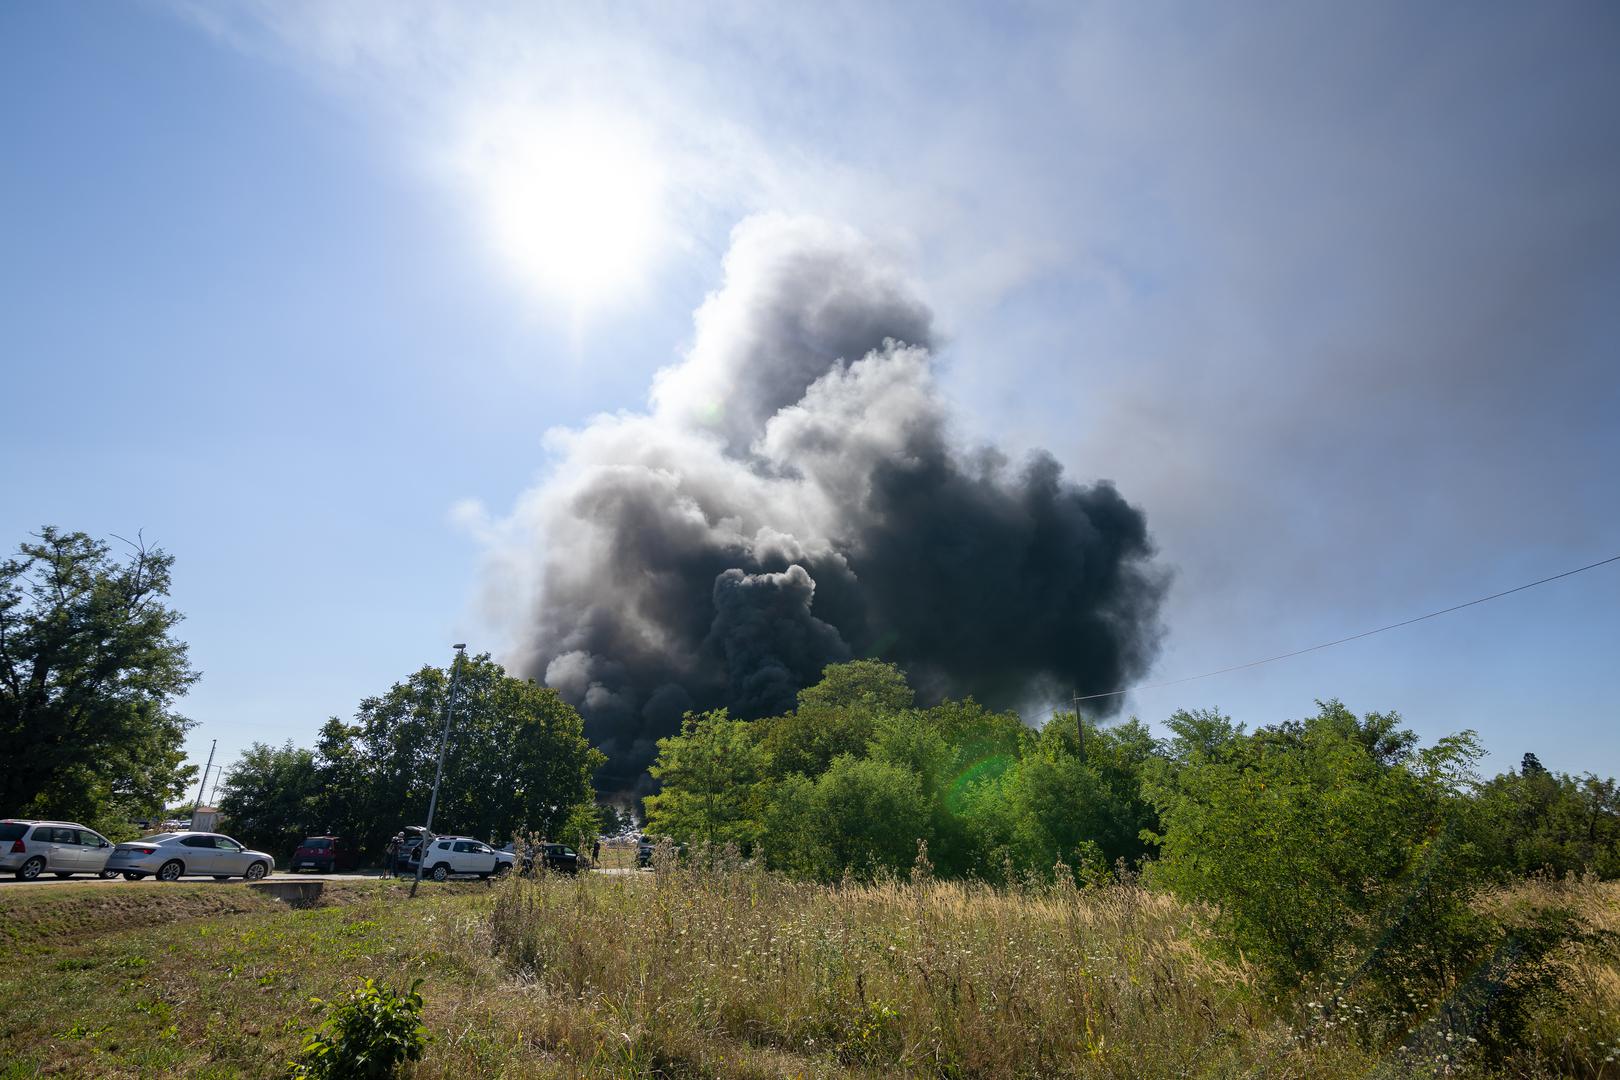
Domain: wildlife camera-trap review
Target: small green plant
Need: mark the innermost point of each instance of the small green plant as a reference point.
(872, 1034)
(368, 1036)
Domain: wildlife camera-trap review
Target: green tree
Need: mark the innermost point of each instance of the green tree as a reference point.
(872, 684)
(860, 816)
(959, 751)
(1065, 806)
(1326, 843)
(835, 716)
(341, 798)
(89, 674)
(517, 762)
(1554, 822)
(1207, 733)
(272, 798)
(613, 820)
(711, 774)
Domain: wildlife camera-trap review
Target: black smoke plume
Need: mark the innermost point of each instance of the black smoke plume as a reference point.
(794, 498)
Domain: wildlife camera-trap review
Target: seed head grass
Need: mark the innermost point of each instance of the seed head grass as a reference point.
(716, 969)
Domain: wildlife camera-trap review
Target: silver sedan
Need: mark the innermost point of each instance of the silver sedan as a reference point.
(171, 856)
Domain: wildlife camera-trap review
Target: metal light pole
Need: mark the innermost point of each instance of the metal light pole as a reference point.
(204, 784)
(438, 773)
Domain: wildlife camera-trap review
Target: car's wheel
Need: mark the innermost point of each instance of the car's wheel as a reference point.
(30, 870)
(256, 871)
(64, 875)
(171, 870)
(108, 875)
(441, 872)
(133, 875)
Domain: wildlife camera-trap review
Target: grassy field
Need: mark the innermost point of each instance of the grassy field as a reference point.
(724, 973)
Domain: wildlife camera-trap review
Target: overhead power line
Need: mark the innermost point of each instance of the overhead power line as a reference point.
(1352, 637)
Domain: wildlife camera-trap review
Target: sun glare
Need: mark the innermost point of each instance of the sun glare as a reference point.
(574, 203)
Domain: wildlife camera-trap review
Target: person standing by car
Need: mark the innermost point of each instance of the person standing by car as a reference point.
(596, 851)
(391, 855)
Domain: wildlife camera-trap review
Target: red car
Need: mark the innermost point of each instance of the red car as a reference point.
(323, 854)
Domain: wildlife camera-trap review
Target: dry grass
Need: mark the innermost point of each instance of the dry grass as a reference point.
(935, 979)
(713, 972)
(618, 855)
(1578, 1033)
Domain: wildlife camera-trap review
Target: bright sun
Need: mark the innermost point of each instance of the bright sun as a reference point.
(574, 202)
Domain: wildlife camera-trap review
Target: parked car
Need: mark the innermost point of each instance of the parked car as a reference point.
(30, 848)
(171, 856)
(560, 858)
(505, 858)
(520, 856)
(409, 839)
(556, 857)
(447, 855)
(321, 853)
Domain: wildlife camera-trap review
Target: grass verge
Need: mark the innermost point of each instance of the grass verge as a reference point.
(723, 972)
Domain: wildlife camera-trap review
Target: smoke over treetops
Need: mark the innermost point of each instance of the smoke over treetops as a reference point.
(795, 498)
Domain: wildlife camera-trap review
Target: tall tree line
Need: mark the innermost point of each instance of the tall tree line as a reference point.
(517, 762)
(857, 775)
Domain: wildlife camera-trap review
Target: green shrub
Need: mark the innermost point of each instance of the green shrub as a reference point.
(368, 1036)
(860, 816)
(1326, 844)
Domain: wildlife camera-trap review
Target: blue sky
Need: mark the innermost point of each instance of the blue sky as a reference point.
(1330, 294)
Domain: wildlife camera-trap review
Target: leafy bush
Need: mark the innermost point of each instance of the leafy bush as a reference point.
(861, 816)
(368, 1036)
(1326, 844)
(1350, 863)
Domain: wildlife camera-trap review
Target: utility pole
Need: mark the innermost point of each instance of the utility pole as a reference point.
(1080, 725)
(438, 773)
(204, 783)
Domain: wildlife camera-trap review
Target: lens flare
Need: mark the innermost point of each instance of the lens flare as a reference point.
(983, 771)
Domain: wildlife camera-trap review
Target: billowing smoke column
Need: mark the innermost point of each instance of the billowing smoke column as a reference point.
(793, 499)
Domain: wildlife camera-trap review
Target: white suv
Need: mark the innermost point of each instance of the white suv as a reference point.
(64, 848)
(448, 855)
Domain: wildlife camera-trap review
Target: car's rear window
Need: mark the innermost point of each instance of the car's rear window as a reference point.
(317, 843)
(12, 830)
